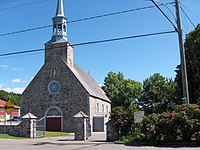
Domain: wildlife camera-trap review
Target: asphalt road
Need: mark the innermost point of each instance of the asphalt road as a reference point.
(67, 143)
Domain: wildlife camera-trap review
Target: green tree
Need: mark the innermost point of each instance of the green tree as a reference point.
(159, 93)
(192, 54)
(13, 97)
(122, 92)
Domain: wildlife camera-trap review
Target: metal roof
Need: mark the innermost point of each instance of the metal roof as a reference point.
(89, 83)
(60, 10)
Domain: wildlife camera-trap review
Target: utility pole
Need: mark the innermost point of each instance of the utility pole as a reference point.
(182, 54)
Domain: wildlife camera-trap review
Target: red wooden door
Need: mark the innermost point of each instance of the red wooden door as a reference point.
(53, 124)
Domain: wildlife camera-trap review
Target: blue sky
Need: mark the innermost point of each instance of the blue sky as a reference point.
(135, 58)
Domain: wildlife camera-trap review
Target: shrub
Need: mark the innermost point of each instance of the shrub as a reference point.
(181, 124)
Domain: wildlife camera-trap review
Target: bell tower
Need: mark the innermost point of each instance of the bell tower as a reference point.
(59, 23)
(59, 45)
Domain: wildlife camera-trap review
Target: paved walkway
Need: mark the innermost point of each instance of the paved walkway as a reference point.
(96, 142)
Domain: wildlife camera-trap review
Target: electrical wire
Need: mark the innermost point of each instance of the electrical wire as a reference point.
(116, 13)
(122, 38)
(92, 42)
(26, 30)
(157, 6)
(190, 11)
(11, 1)
(187, 17)
(83, 19)
(28, 4)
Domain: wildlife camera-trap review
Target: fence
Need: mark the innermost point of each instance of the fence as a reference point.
(40, 127)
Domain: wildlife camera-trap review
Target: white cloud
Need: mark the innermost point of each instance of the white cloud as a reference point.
(18, 80)
(14, 90)
(5, 67)
(1, 85)
(16, 69)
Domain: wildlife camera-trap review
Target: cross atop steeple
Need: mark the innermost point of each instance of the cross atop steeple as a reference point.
(59, 25)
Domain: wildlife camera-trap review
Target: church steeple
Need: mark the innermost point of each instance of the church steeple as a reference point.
(59, 25)
(58, 45)
(60, 10)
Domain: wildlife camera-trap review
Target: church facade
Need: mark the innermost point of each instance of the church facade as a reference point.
(61, 89)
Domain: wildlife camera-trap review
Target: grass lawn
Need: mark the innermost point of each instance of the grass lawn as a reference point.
(47, 134)
(54, 134)
(6, 136)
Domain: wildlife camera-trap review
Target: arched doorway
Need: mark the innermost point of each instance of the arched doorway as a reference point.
(54, 119)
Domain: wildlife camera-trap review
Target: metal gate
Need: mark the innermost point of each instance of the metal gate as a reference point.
(88, 128)
(40, 127)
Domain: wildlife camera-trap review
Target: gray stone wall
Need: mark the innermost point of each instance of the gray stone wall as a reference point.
(62, 49)
(71, 99)
(112, 132)
(25, 128)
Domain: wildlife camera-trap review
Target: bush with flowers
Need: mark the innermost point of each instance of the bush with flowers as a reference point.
(182, 123)
(124, 120)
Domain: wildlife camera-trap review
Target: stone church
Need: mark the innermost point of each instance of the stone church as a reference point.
(61, 89)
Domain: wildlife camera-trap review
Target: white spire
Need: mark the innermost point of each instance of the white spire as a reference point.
(60, 10)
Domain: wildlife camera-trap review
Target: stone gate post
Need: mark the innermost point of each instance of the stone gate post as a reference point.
(29, 125)
(80, 122)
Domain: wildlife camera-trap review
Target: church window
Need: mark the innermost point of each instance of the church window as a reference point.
(64, 27)
(54, 72)
(103, 108)
(97, 107)
(59, 29)
(54, 87)
(106, 109)
(54, 29)
(59, 26)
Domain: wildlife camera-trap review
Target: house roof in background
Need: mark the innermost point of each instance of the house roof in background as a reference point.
(2, 103)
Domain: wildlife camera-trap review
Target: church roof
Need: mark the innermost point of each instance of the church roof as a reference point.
(89, 83)
(2, 103)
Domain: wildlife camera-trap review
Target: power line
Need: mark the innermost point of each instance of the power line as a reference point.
(116, 13)
(187, 17)
(11, 1)
(83, 19)
(93, 42)
(123, 38)
(157, 6)
(28, 4)
(190, 11)
(26, 30)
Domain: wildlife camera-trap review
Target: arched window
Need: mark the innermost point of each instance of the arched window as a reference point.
(54, 29)
(64, 27)
(103, 108)
(59, 29)
(97, 107)
(106, 109)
